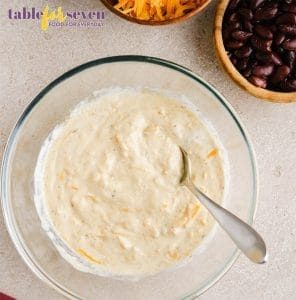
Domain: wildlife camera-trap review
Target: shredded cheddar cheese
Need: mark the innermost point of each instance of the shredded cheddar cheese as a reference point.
(213, 153)
(173, 254)
(165, 205)
(91, 197)
(83, 253)
(194, 211)
(124, 242)
(62, 176)
(157, 10)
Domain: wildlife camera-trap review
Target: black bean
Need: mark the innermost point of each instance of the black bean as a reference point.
(275, 58)
(263, 57)
(234, 25)
(233, 18)
(279, 38)
(256, 3)
(227, 30)
(265, 14)
(272, 27)
(288, 29)
(269, 57)
(288, 85)
(263, 71)
(289, 7)
(289, 58)
(233, 59)
(248, 26)
(233, 4)
(289, 44)
(252, 63)
(245, 13)
(280, 74)
(280, 50)
(270, 4)
(242, 64)
(226, 33)
(243, 52)
(232, 44)
(240, 35)
(247, 72)
(263, 31)
(287, 18)
(293, 73)
(258, 81)
(260, 44)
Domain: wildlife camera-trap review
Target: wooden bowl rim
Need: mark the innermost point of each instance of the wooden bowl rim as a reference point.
(264, 94)
(152, 23)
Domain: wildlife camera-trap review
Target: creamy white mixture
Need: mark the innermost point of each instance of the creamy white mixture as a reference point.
(107, 183)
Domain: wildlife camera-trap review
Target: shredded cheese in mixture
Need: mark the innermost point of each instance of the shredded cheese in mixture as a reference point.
(108, 182)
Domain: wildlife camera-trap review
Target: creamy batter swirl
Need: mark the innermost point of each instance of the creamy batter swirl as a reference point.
(107, 181)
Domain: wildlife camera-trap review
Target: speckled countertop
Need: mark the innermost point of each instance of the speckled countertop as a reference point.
(31, 58)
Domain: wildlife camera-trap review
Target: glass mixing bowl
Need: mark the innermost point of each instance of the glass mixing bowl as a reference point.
(51, 107)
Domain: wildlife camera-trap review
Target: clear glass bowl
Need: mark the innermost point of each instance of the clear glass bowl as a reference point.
(51, 107)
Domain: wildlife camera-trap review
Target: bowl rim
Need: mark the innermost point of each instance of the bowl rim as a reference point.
(9, 219)
(239, 79)
(156, 23)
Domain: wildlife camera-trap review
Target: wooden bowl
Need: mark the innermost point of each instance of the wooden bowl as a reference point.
(110, 5)
(234, 73)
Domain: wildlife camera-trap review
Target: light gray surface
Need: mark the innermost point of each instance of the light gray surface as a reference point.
(30, 59)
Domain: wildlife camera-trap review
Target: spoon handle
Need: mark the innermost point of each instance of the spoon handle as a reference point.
(243, 235)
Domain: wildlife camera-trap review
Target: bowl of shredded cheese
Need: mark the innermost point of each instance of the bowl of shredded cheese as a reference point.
(156, 12)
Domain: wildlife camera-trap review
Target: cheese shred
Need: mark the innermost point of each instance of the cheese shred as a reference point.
(83, 253)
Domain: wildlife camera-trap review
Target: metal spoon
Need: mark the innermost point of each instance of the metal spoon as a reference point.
(243, 235)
